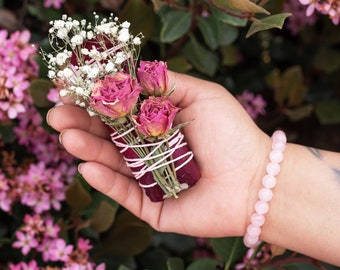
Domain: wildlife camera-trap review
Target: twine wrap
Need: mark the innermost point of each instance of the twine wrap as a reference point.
(161, 159)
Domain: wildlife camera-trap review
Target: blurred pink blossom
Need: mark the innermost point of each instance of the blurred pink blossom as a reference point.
(53, 3)
(299, 19)
(253, 104)
(325, 7)
(25, 241)
(60, 251)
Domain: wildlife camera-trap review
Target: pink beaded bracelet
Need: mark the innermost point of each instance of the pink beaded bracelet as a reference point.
(251, 238)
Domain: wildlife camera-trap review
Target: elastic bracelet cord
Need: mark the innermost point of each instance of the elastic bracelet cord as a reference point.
(251, 238)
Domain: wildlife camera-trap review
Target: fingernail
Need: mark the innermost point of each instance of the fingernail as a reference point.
(48, 115)
(60, 137)
(79, 167)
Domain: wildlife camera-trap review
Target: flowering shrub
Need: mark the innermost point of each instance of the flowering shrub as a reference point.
(51, 219)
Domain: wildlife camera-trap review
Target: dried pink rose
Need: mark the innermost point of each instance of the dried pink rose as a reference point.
(115, 96)
(153, 77)
(155, 117)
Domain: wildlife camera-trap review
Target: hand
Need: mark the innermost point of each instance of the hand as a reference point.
(230, 150)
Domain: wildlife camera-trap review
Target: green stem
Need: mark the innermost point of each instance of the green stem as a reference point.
(165, 176)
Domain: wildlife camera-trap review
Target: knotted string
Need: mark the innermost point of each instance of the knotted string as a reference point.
(175, 141)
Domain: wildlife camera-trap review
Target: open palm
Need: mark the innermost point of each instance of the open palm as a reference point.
(229, 148)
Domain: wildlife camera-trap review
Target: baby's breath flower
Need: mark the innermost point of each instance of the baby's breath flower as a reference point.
(64, 92)
(123, 35)
(137, 41)
(90, 35)
(61, 58)
(62, 33)
(51, 74)
(85, 52)
(93, 73)
(77, 40)
(125, 24)
(67, 73)
(95, 54)
(109, 67)
(120, 58)
(104, 28)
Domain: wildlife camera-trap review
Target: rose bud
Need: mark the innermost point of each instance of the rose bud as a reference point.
(153, 77)
(115, 96)
(155, 117)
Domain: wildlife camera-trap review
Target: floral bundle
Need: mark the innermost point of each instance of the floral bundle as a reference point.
(98, 66)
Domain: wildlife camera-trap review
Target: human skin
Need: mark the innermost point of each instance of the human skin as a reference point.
(231, 153)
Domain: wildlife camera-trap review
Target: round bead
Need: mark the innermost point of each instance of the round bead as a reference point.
(265, 194)
(269, 181)
(261, 207)
(279, 135)
(250, 241)
(257, 219)
(280, 146)
(276, 156)
(273, 168)
(253, 230)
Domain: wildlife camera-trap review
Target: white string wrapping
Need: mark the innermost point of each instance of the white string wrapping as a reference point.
(175, 141)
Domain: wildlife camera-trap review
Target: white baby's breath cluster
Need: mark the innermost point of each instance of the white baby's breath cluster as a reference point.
(84, 51)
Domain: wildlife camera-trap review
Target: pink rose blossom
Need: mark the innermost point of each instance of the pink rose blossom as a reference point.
(115, 96)
(153, 77)
(156, 116)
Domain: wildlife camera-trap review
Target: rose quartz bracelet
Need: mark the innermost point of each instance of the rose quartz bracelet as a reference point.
(251, 238)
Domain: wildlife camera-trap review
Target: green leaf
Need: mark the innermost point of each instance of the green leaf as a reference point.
(327, 59)
(209, 31)
(123, 267)
(135, 12)
(39, 89)
(230, 249)
(202, 59)
(274, 21)
(6, 132)
(299, 113)
(226, 18)
(216, 33)
(128, 236)
(288, 87)
(229, 55)
(176, 23)
(226, 33)
(328, 112)
(179, 64)
(77, 196)
(204, 264)
(103, 217)
(293, 85)
(36, 11)
(175, 264)
(171, 240)
(240, 5)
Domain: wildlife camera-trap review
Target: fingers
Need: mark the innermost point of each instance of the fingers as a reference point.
(69, 116)
(89, 147)
(189, 89)
(124, 190)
